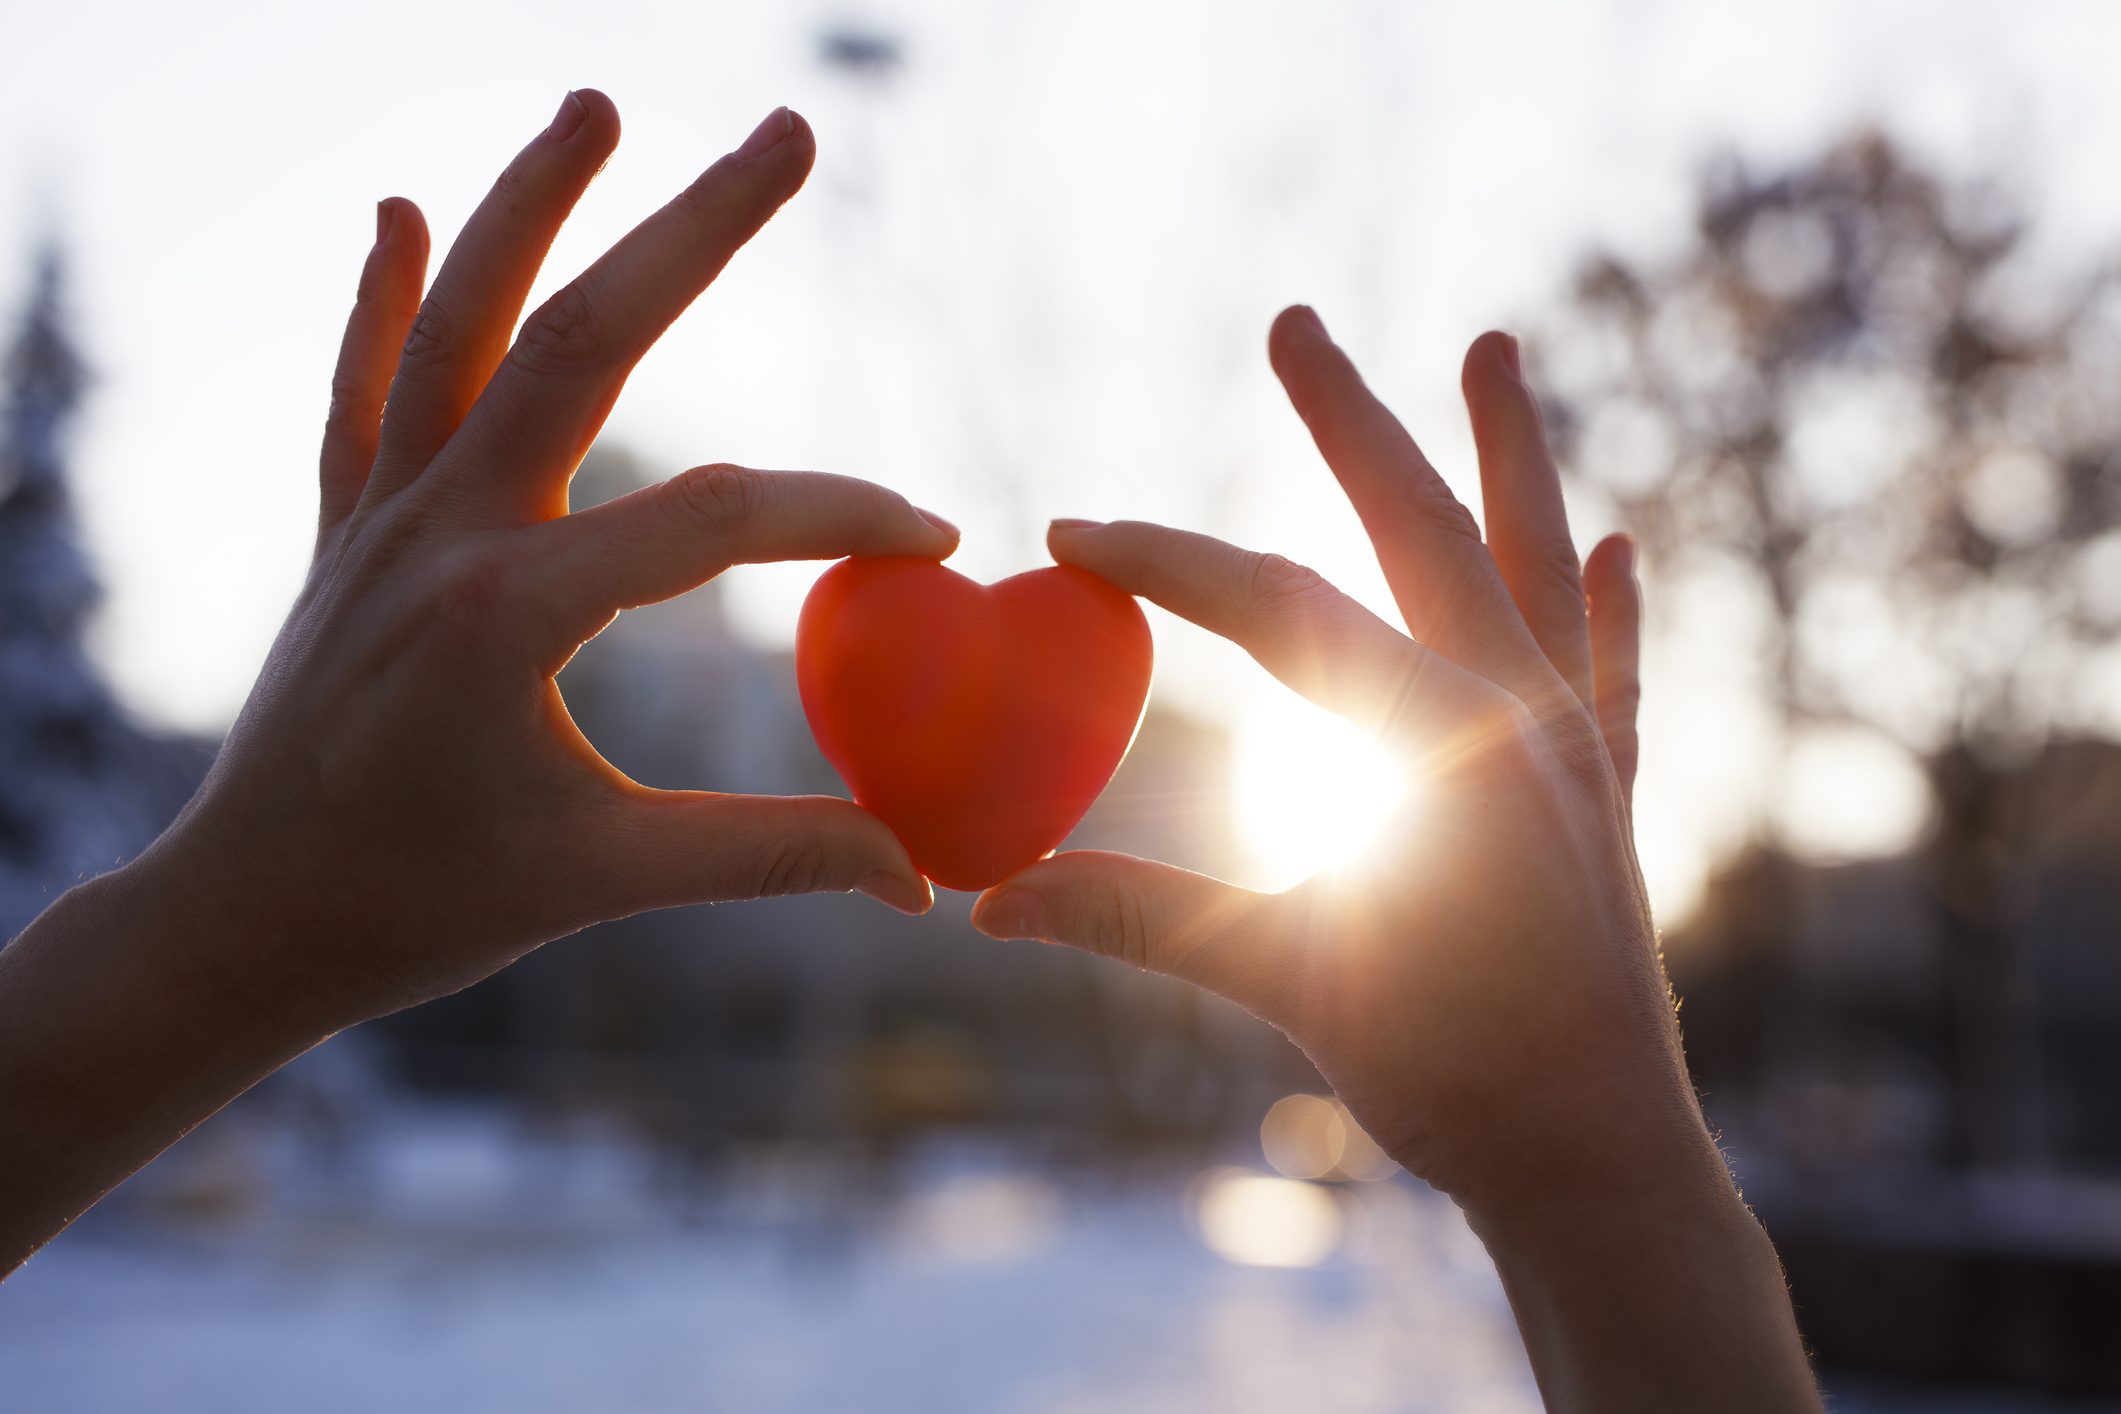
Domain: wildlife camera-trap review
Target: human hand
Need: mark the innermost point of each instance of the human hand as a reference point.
(1484, 992)
(404, 804)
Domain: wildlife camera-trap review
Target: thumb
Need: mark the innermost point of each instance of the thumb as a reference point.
(680, 847)
(1153, 916)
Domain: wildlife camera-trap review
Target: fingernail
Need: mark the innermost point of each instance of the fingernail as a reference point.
(567, 119)
(938, 522)
(1071, 524)
(1014, 913)
(1310, 316)
(386, 214)
(901, 894)
(1510, 359)
(1627, 555)
(767, 135)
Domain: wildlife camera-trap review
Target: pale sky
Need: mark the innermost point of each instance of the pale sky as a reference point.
(1031, 276)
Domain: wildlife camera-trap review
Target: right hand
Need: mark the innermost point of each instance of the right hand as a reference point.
(1486, 994)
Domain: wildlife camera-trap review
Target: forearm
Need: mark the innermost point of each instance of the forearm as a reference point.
(1661, 1295)
(125, 1019)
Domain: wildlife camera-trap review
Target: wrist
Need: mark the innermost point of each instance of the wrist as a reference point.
(223, 949)
(1647, 1284)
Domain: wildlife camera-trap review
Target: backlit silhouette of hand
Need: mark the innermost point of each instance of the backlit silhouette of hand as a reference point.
(404, 796)
(1485, 993)
(1500, 934)
(404, 805)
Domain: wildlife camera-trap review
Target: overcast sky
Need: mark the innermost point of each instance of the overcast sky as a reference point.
(1031, 276)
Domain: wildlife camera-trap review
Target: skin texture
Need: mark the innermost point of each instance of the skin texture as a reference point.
(1485, 994)
(404, 806)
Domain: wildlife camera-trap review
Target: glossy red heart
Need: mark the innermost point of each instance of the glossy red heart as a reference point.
(977, 721)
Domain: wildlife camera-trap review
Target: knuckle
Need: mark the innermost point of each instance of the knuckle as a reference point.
(1577, 742)
(511, 190)
(469, 598)
(724, 496)
(1555, 569)
(354, 399)
(1431, 506)
(1120, 925)
(430, 334)
(706, 197)
(562, 333)
(796, 866)
(1279, 580)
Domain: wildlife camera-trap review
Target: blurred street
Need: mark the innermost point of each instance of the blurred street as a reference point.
(454, 1258)
(503, 1272)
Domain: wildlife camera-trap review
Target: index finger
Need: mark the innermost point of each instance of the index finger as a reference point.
(662, 540)
(1298, 627)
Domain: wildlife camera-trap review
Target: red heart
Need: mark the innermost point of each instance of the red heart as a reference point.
(977, 721)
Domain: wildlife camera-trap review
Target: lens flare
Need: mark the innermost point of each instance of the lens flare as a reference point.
(1258, 1220)
(1312, 790)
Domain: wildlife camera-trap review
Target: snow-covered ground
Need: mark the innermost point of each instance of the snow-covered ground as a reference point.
(468, 1268)
(451, 1259)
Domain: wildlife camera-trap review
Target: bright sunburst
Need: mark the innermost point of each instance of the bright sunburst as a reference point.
(1312, 790)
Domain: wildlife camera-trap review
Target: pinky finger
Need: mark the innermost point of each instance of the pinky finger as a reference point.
(368, 356)
(1616, 651)
(1152, 916)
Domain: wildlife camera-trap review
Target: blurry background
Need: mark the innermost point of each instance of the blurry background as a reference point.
(1823, 304)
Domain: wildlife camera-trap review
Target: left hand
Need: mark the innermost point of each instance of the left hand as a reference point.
(404, 804)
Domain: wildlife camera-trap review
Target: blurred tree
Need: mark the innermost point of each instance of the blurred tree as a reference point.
(80, 786)
(1863, 408)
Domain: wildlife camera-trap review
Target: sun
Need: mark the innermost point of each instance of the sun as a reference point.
(1311, 791)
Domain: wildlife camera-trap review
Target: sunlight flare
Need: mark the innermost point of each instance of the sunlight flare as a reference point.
(1312, 790)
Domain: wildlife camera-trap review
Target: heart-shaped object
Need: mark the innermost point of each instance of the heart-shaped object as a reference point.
(978, 721)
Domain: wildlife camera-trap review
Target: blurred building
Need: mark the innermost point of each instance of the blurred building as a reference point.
(1825, 1057)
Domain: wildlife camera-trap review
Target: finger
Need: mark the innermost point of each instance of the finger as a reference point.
(662, 540)
(1528, 526)
(1616, 651)
(1321, 643)
(463, 327)
(1441, 575)
(375, 331)
(544, 406)
(1152, 916)
(678, 847)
